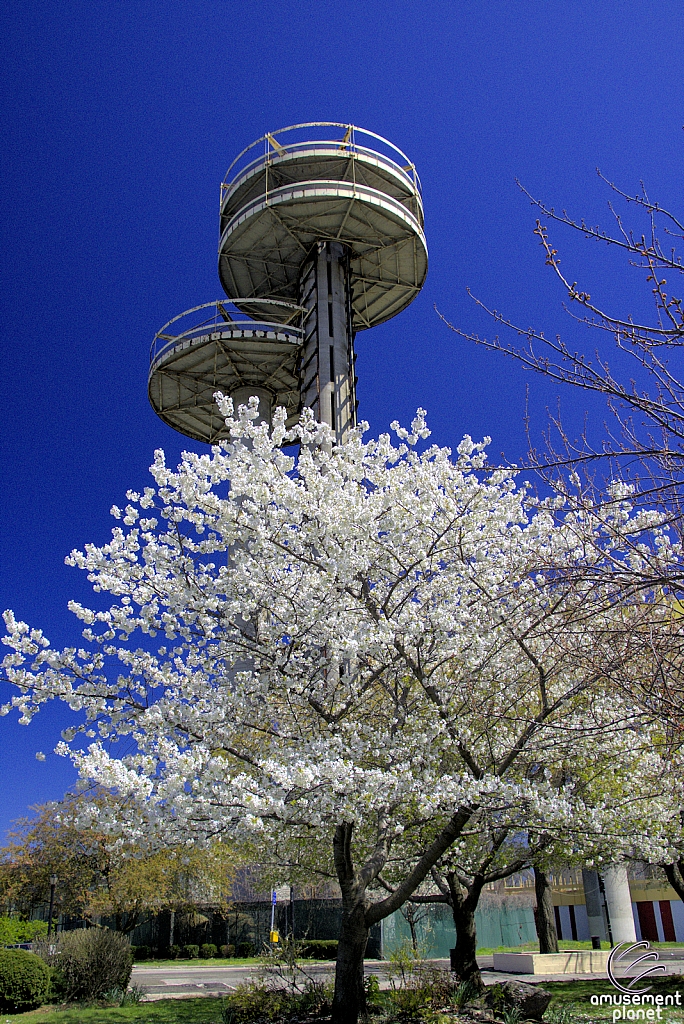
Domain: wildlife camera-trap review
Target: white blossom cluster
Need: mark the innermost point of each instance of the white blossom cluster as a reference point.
(366, 634)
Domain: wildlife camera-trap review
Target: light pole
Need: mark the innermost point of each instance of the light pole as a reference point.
(53, 883)
(273, 937)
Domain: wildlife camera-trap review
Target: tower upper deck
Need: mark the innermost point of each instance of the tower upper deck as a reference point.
(317, 182)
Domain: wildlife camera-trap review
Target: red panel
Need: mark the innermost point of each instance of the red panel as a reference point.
(668, 923)
(647, 921)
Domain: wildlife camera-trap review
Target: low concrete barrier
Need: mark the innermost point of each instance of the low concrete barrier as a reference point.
(580, 961)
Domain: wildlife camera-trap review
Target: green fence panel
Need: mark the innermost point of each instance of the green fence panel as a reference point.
(504, 925)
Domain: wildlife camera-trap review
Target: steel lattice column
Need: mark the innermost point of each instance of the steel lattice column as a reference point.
(327, 371)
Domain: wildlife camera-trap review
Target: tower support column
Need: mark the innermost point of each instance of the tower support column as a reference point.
(619, 903)
(242, 395)
(327, 367)
(594, 903)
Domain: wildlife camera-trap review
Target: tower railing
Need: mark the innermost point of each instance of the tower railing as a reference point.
(224, 318)
(372, 196)
(274, 146)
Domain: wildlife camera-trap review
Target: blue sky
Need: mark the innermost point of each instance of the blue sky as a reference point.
(119, 120)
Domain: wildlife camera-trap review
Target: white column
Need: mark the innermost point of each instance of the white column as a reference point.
(619, 903)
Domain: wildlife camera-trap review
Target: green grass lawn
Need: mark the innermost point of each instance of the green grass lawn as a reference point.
(533, 947)
(201, 1010)
(214, 962)
(575, 998)
(571, 1000)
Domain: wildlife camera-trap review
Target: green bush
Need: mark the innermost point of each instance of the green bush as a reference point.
(141, 952)
(245, 949)
(174, 952)
(252, 1001)
(191, 952)
(88, 963)
(207, 950)
(372, 987)
(261, 1001)
(320, 949)
(228, 951)
(24, 980)
(13, 931)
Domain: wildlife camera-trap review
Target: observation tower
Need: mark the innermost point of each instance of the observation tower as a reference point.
(321, 236)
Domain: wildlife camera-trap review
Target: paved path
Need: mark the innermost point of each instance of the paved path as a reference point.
(195, 980)
(176, 982)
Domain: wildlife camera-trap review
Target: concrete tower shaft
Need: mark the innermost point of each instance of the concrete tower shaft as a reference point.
(327, 367)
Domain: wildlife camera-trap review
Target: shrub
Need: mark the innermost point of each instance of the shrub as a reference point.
(133, 995)
(24, 980)
(261, 1001)
(228, 951)
(130, 997)
(253, 1000)
(410, 1000)
(191, 952)
(141, 952)
(320, 949)
(372, 987)
(88, 963)
(245, 949)
(465, 992)
(174, 952)
(13, 931)
(207, 950)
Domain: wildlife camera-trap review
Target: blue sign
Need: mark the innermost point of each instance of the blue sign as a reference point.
(274, 898)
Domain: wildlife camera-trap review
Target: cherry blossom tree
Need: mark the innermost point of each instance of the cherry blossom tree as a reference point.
(620, 794)
(354, 648)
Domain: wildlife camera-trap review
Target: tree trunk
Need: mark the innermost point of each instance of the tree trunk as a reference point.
(408, 912)
(131, 922)
(349, 1000)
(543, 916)
(358, 914)
(464, 962)
(350, 995)
(675, 876)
